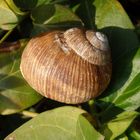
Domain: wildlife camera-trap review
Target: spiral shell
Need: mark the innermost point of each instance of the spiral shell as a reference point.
(72, 66)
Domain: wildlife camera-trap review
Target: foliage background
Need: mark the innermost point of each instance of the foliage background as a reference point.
(113, 115)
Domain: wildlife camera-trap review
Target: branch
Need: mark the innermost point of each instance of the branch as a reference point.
(9, 46)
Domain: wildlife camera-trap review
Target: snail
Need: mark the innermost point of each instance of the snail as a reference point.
(71, 66)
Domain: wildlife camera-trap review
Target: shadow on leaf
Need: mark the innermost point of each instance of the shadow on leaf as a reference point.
(86, 11)
(10, 82)
(124, 46)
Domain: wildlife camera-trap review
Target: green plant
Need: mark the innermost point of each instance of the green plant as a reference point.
(113, 115)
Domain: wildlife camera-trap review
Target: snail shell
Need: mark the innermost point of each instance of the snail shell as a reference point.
(72, 66)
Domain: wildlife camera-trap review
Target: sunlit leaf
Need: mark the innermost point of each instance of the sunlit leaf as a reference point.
(118, 125)
(85, 130)
(59, 124)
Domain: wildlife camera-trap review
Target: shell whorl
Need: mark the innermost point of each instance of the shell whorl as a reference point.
(91, 46)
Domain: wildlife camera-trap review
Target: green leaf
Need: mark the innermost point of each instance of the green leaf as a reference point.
(46, 17)
(119, 125)
(123, 91)
(111, 13)
(122, 137)
(133, 134)
(30, 4)
(57, 124)
(14, 8)
(86, 11)
(10, 15)
(60, 2)
(85, 131)
(15, 94)
(99, 14)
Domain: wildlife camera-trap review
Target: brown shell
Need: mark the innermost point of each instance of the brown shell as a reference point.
(54, 68)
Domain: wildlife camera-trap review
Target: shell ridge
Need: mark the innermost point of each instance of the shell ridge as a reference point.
(78, 42)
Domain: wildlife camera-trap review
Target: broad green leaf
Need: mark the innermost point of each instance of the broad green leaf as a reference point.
(10, 15)
(15, 94)
(123, 91)
(8, 18)
(30, 4)
(111, 13)
(85, 130)
(118, 125)
(56, 124)
(46, 17)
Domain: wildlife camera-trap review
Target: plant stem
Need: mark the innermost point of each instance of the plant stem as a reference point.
(9, 46)
(29, 113)
(91, 106)
(6, 35)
